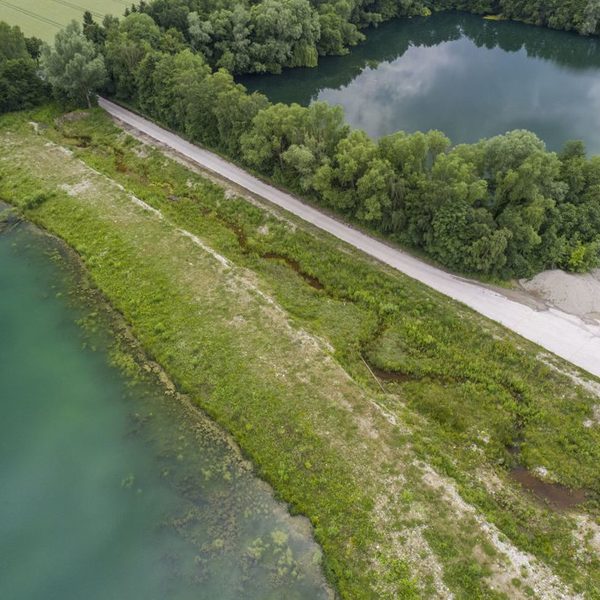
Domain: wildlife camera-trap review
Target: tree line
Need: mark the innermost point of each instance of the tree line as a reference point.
(581, 16)
(244, 36)
(503, 207)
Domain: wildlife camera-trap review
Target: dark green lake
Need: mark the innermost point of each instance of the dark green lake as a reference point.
(113, 489)
(466, 76)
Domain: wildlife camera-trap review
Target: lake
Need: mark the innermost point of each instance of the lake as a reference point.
(466, 76)
(113, 487)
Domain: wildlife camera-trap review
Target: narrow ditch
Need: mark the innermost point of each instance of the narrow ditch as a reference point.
(292, 263)
(295, 266)
(558, 496)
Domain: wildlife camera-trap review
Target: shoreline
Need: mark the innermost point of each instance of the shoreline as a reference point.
(109, 332)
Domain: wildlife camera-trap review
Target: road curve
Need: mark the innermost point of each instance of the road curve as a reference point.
(563, 334)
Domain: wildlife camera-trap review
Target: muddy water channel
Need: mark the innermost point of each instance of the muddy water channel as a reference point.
(111, 487)
(555, 495)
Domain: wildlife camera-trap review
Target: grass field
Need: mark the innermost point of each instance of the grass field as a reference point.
(271, 328)
(43, 18)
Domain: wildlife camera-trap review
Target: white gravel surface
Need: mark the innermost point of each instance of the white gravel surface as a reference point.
(564, 334)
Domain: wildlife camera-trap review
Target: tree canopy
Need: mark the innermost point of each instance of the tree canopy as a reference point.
(20, 84)
(74, 66)
(503, 207)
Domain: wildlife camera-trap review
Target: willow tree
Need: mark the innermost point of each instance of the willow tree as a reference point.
(74, 67)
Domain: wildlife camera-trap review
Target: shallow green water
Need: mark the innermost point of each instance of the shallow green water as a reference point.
(459, 73)
(112, 489)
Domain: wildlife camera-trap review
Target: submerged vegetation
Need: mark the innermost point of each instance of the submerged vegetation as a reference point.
(198, 522)
(362, 396)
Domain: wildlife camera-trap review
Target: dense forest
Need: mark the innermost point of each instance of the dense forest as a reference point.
(503, 207)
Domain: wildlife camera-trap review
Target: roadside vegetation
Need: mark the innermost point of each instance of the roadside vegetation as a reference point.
(389, 415)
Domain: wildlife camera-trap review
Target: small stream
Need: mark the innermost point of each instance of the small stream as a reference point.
(112, 487)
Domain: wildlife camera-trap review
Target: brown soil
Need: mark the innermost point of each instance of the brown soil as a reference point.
(295, 265)
(559, 496)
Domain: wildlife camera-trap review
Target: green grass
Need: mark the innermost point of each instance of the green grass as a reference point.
(308, 413)
(43, 18)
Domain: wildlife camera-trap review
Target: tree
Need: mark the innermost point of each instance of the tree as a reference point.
(373, 191)
(20, 86)
(591, 18)
(273, 131)
(173, 79)
(584, 257)
(285, 34)
(168, 13)
(74, 68)
(234, 112)
(127, 44)
(12, 42)
(34, 47)
(231, 40)
(92, 30)
(337, 32)
(337, 181)
(139, 27)
(200, 33)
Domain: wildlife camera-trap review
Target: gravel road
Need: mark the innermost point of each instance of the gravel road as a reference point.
(564, 334)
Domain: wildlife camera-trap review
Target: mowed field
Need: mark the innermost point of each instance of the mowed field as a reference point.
(43, 18)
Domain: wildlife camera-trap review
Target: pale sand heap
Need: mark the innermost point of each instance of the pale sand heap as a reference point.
(577, 294)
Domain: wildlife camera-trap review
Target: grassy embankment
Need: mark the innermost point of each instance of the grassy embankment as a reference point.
(267, 326)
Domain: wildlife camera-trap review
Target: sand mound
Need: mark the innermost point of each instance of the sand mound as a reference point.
(575, 294)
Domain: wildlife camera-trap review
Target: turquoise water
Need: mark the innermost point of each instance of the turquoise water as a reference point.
(112, 489)
(459, 73)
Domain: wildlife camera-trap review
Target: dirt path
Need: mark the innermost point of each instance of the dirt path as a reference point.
(566, 335)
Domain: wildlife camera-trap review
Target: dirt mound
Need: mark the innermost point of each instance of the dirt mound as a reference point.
(72, 117)
(575, 294)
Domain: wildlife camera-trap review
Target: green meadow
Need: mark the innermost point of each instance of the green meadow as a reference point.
(43, 18)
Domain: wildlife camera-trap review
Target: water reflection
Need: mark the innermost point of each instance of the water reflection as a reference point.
(469, 77)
